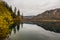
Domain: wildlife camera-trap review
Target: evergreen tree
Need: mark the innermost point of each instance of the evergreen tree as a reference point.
(10, 9)
(18, 13)
(15, 10)
(7, 6)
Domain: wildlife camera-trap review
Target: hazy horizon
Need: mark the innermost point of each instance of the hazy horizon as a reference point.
(33, 7)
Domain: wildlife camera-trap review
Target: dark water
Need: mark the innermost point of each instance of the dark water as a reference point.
(32, 32)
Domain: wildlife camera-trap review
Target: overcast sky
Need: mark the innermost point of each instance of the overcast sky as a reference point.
(34, 7)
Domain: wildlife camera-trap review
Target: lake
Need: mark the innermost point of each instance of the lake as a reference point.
(32, 32)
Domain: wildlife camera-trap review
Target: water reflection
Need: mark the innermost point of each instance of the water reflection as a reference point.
(34, 32)
(51, 27)
(22, 25)
(13, 27)
(16, 27)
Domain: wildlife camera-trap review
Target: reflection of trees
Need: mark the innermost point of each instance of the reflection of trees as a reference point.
(15, 27)
(22, 20)
(18, 27)
(22, 25)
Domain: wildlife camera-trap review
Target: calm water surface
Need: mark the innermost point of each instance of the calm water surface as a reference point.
(32, 32)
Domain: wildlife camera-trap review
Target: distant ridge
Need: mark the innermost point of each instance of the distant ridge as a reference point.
(53, 14)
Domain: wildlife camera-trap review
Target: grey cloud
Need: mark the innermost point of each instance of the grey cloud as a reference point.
(34, 7)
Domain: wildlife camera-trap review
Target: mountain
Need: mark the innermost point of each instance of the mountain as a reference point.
(48, 15)
(27, 18)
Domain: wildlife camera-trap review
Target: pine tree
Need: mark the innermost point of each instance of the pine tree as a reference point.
(10, 9)
(18, 13)
(15, 10)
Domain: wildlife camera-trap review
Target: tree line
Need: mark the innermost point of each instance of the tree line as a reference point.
(13, 13)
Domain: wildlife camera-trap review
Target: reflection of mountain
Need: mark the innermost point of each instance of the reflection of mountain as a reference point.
(51, 26)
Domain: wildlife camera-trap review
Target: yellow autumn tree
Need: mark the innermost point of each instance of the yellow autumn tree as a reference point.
(5, 21)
